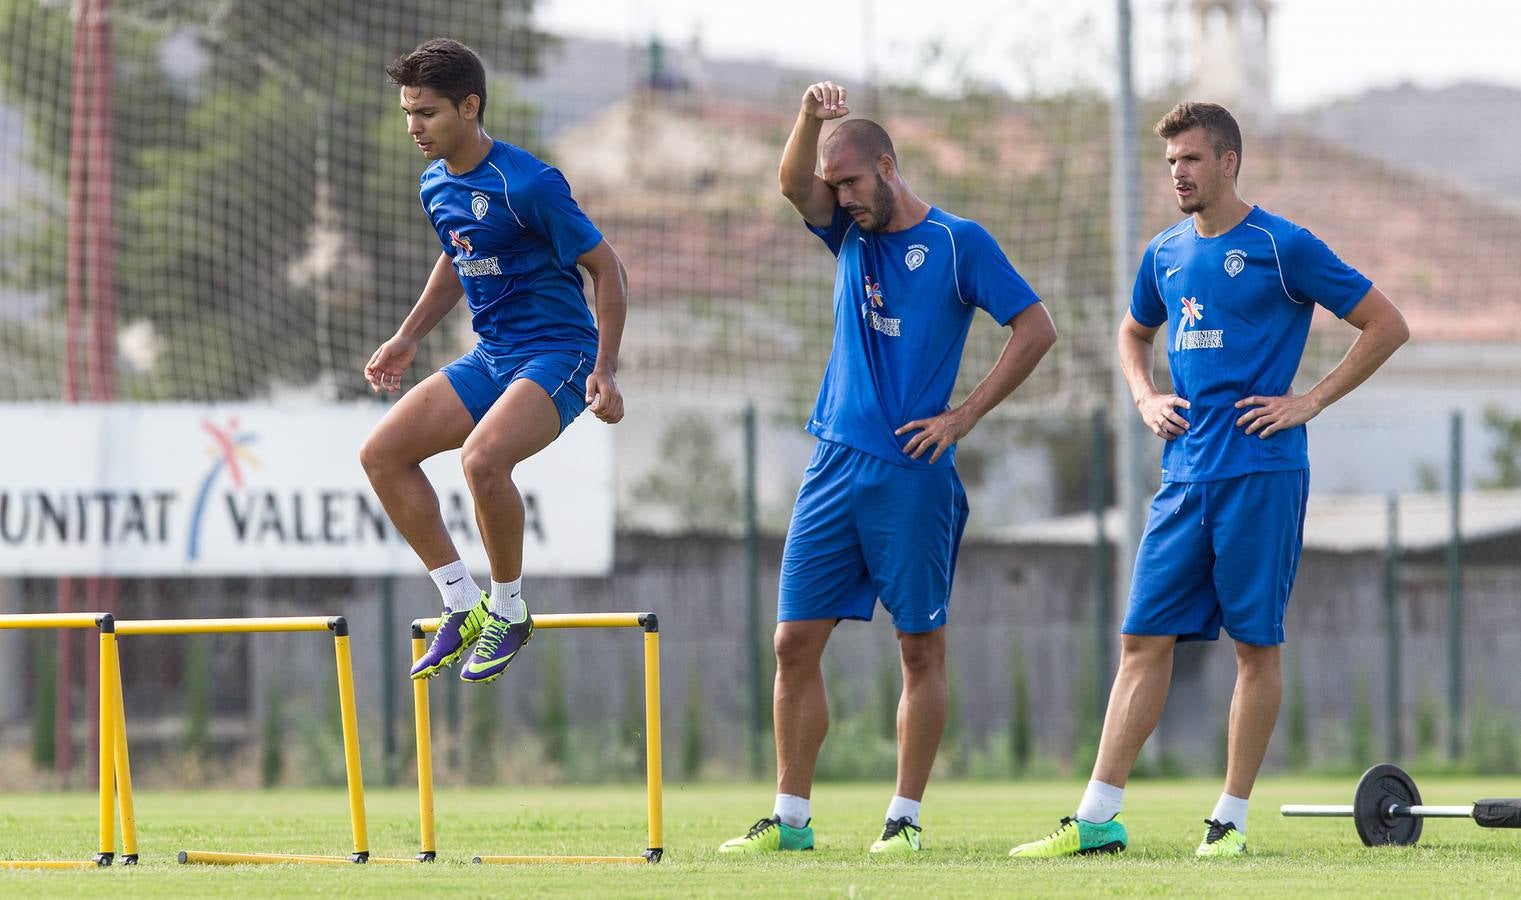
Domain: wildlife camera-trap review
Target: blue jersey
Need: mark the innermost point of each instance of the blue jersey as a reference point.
(515, 233)
(1238, 310)
(903, 303)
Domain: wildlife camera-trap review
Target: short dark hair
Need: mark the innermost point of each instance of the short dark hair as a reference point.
(865, 136)
(1218, 124)
(444, 66)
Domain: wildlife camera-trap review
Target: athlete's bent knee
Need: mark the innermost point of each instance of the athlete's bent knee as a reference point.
(484, 467)
(374, 457)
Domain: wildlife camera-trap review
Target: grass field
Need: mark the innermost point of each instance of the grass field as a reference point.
(969, 828)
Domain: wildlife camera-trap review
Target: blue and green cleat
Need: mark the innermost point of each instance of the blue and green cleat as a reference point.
(1077, 837)
(770, 836)
(456, 632)
(1222, 839)
(499, 642)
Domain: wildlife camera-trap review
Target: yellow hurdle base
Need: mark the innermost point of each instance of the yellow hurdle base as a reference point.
(538, 860)
(51, 864)
(215, 858)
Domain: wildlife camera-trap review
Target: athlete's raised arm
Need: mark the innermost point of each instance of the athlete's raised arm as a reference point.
(439, 295)
(809, 194)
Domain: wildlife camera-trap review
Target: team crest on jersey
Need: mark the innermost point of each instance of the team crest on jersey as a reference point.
(479, 204)
(914, 258)
(1235, 262)
(460, 242)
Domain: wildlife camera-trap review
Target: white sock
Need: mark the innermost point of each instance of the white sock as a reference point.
(456, 586)
(791, 809)
(1101, 802)
(507, 600)
(1231, 811)
(901, 807)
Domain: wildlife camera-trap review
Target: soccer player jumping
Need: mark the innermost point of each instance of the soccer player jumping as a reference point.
(1236, 286)
(512, 239)
(881, 509)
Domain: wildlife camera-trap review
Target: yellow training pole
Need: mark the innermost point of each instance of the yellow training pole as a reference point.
(123, 775)
(217, 858)
(351, 742)
(264, 624)
(429, 849)
(652, 740)
(50, 620)
(565, 620)
(107, 749)
(540, 860)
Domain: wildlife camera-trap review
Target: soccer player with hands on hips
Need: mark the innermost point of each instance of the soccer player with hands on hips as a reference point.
(1236, 287)
(512, 239)
(881, 509)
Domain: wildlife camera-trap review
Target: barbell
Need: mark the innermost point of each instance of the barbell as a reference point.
(1387, 809)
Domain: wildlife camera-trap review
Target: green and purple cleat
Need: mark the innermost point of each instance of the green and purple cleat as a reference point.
(456, 632)
(498, 644)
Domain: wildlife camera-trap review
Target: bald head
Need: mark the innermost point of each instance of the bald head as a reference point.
(863, 137)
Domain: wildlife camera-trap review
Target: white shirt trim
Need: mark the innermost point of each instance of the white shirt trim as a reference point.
(1276, 261)
(1156, 280)
(507, 196)
(954, 274)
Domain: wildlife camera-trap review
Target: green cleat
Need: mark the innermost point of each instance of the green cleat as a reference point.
(1076, 837)
(770, 836)
(1222, 839)
(899, 837)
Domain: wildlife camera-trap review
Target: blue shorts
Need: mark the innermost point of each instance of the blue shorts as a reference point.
(481, 376)
(865, 528)
(1220, 552)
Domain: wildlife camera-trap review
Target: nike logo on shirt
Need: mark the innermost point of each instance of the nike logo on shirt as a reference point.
(1173, 271)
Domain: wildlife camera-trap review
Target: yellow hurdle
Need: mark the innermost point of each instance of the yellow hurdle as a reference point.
(115, 768)
(115, 784)
(653, 786)
(276, 624)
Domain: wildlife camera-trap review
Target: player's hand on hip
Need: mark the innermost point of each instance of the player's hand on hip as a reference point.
(825, 100)
(387, 363)
(603, 397)
(940, 432)
(1160, 413)
(1272, 414)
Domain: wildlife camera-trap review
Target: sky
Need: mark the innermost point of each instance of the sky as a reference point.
(1320, 49)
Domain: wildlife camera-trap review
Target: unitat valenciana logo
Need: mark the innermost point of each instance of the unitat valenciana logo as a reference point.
(460, 241)
(1193, 310)
(873, 292)
(229, 453)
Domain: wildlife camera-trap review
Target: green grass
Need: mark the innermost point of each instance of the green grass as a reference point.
(969, 828)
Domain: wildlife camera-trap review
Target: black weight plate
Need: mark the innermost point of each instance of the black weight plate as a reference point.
(1380, 787)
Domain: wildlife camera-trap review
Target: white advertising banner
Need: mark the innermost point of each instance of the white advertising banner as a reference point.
(247, 489)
